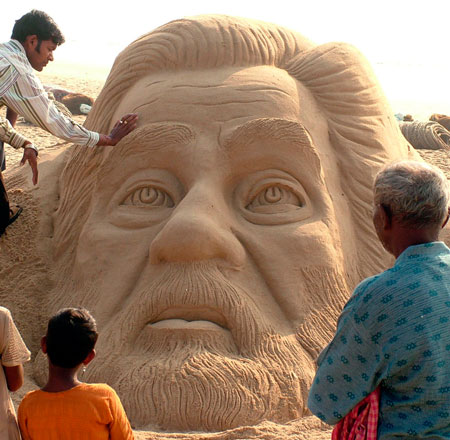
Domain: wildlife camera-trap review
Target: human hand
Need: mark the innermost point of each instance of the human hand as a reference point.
(30, 155)
(126, 124)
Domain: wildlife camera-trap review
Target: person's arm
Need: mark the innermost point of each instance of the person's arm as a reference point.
(28, 98)
(120, 428)
(30, 156)
(11, 115)
(14, 377)
(13, 353)
(22, 419)
(349, 369)
(9, 135)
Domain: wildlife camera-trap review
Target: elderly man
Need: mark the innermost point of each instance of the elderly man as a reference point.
(34, 38)
(394, 332)
(216, 244)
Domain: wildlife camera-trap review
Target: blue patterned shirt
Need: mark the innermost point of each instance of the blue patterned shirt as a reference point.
(394, 332)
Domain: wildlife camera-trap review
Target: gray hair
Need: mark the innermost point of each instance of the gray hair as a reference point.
(416, 193)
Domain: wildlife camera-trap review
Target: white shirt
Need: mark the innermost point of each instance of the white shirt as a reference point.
(22, 91)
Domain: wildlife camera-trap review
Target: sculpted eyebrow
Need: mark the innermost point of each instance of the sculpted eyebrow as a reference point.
(272, 128)
(276, 130)
(154, 137)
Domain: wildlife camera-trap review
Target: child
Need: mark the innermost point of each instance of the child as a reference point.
(67, 408)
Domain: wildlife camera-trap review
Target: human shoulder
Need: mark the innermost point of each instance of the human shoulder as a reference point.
(99, 389)
(5, 318)
(4, 312)
(13, 53)
(31, 398)
(366, 300)
(363, 291)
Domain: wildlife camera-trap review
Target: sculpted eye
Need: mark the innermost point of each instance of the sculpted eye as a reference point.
(275, 199)
(149, 196)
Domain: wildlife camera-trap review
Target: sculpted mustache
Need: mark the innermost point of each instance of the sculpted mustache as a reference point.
(200, 286)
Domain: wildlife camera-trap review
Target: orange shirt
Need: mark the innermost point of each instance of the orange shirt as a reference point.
(85, 412)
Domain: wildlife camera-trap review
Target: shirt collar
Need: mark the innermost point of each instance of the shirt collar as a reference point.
(17, 45)
(15, 53)
(411, 253)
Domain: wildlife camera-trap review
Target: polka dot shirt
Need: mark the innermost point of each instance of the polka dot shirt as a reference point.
(394, 332)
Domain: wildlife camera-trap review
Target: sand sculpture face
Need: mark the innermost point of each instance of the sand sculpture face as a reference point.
(206, 216)
(217, 243)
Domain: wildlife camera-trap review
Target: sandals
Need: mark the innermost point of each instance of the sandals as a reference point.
(14, 214)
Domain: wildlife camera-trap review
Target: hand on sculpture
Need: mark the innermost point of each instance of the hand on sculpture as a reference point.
(122, 127)
(30, 156)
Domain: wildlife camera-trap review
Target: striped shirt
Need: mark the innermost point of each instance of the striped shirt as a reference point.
(394, 333)
(22, 91)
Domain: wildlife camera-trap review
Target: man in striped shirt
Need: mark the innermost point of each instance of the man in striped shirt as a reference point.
(34, 38)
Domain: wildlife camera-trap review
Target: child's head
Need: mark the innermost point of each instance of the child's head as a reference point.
(71, 337)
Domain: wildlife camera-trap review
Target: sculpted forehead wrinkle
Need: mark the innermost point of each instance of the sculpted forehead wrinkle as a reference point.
(255, 90)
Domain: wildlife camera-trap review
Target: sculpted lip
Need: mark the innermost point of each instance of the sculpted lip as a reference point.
(183, 317)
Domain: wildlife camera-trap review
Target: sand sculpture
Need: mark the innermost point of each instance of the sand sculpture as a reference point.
(218, 242)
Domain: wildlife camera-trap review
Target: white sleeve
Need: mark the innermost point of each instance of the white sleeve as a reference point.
(13, 349)
(28, 98)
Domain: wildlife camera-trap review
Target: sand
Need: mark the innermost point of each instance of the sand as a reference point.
(89, 81)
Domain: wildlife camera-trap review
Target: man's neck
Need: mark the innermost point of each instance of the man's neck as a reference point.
(403, 238)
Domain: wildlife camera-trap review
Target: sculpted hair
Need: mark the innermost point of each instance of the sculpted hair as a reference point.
(416, 193)
(361, 126)
(37, 23)
(71, 336)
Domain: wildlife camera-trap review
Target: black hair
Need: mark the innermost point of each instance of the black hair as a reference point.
(37, 23)
(71, 336)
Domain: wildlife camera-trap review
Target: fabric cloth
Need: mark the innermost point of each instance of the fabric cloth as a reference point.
(22, 91)
(10, 136)
(13, 352)
(85, 412)
(394, 333)
(361, 423)
(2, 156)
(4, 206)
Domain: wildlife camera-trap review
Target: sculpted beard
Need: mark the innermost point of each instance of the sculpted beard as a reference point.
(216, 380)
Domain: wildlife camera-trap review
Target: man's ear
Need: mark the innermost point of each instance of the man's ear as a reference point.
(386, 215)
(31, 41)
(89, 357)
(44, 344)
(446, 220)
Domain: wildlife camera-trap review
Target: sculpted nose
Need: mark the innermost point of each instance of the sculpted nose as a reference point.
(197, 230)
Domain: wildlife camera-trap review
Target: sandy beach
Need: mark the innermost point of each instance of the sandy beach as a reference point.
(89, 81)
